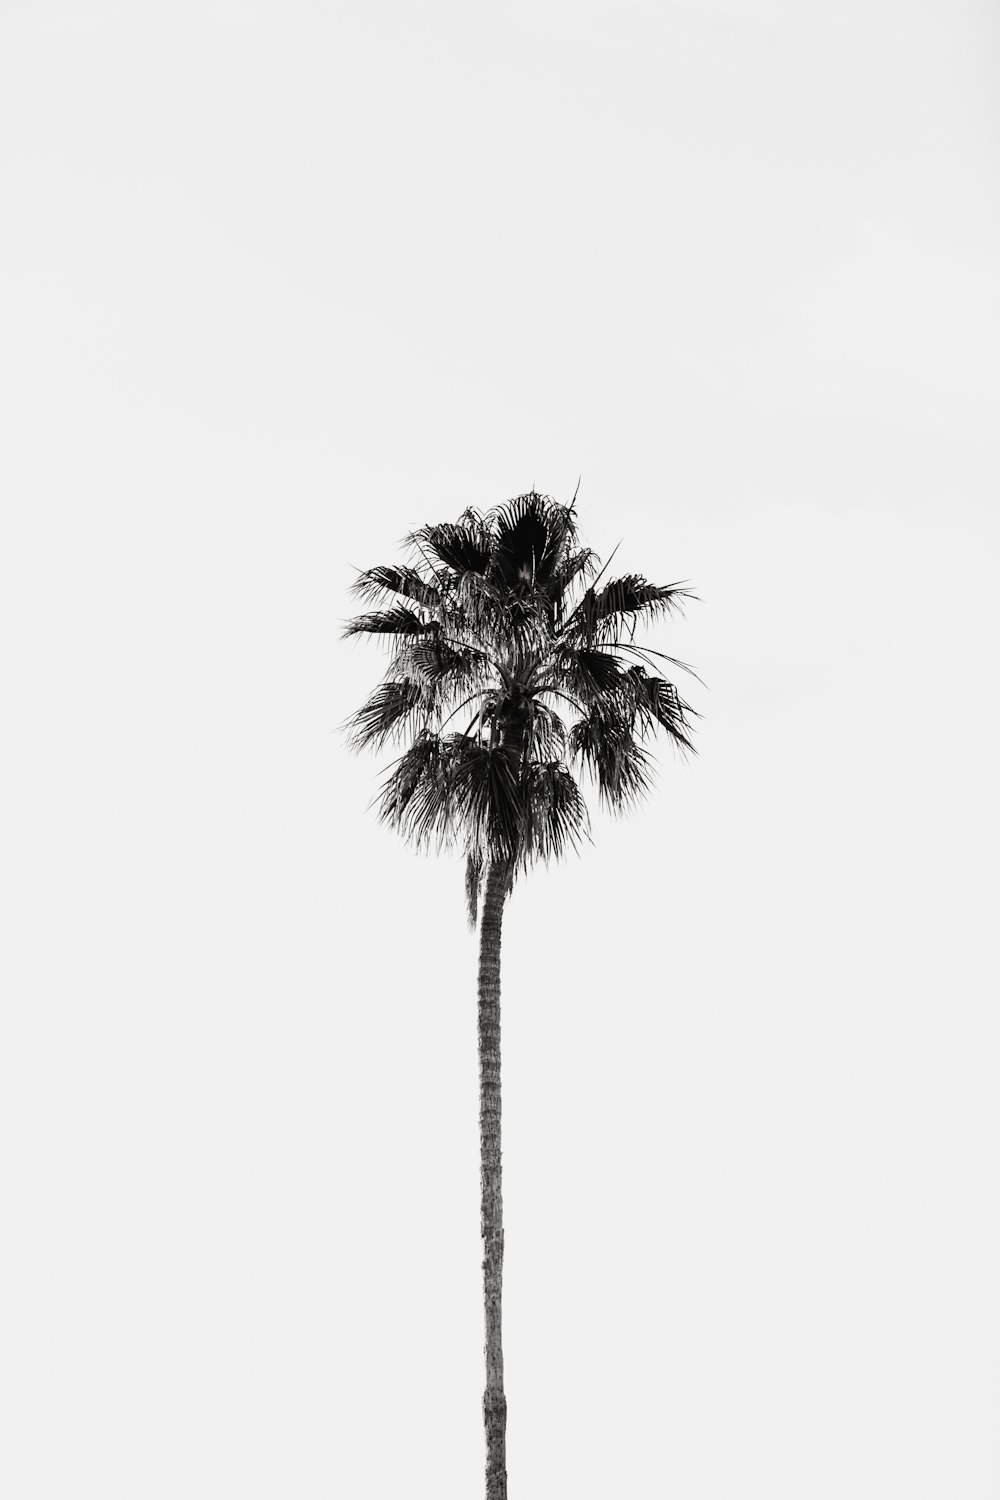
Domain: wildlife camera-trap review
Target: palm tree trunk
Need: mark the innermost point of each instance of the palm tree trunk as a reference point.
(494, 1400)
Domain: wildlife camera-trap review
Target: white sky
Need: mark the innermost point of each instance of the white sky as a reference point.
(280, 282)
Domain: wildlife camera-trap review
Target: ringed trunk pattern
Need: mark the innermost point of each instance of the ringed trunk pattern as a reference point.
(494, 1400)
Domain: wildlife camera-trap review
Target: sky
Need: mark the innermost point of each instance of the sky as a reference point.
(281, 282)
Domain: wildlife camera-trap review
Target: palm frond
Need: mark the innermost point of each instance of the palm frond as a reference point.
(461, 545)
(385, 714)
(415, 798)
(588, 673)
(434, 660)
(474, 520)
(660, 705)
(513, 620)
(578, 564)
(651, 657)
(530, 532)
(615, 759)
(396, 621)
(620, 599)
(548, 736)
(486, 796)
(556, 814)
(380, 583)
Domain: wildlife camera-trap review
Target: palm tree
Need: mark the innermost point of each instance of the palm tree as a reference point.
(509, 667)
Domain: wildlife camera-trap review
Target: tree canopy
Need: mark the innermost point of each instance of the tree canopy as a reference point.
(514, 673)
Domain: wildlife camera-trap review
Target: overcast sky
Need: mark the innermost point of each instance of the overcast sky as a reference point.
(280, 282)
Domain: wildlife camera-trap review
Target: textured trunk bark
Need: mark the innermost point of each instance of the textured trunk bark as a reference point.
(494, 1400)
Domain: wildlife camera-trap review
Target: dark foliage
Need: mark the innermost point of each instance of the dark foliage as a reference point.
(509, 666)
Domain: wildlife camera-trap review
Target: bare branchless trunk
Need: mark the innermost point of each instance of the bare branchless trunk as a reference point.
(494, 1400)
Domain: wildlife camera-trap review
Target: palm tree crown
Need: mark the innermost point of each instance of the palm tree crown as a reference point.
(511, 668)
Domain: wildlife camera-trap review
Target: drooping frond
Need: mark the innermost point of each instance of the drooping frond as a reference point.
(556, 815)
(415, 797)
(659, 704)
(473, 880)
(385, 714)
(548, 736)
(604, 741)
(486, 796)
